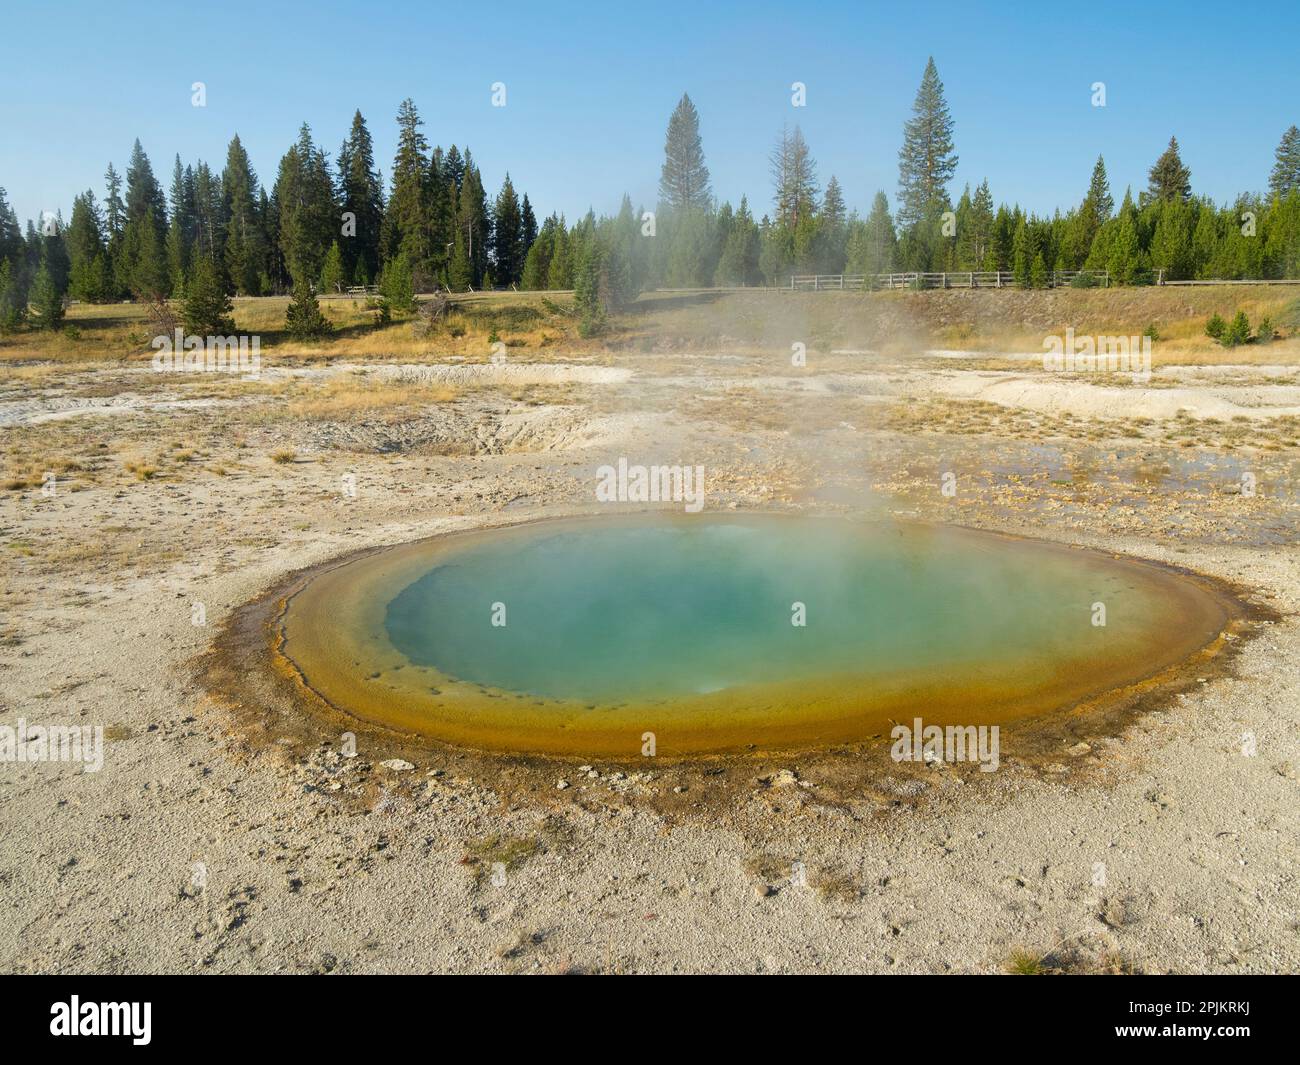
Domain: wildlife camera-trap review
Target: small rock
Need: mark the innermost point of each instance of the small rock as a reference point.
(561, 785)
(397, 765)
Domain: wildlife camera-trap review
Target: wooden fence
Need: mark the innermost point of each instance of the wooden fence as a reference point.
(947, 279)
(1160, 280)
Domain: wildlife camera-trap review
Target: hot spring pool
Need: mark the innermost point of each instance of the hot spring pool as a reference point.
(724, 632)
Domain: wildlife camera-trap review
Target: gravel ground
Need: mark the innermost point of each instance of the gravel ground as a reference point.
(239, 839)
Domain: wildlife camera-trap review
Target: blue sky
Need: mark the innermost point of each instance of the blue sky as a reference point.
(590, 87)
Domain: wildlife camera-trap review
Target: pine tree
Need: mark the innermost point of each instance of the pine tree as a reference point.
(878, 239)
(304, 192)
(453, 167)
(209, 225)
(472, 221)
(684, 179)
(926, 162)
(1021, 255)
(396, 284)
(444, 201)
(1286, 171)
(144, 196)
(975, 231)
(13, 297)
(180, 232)
(1001, 247)
(46, 299)
(1038, 272)
(738, 264)
(54, 253)
(206, 309)
(1168, 178)
(1124, 258)
(333, 275)
(794, 178)
(13, 272)
(529, 222)
(1171, 246)
(460, 271)
(409, 222)
(139, 256)
(1099, 199)
(303, 319)
(508, 247)
(86, 253)
(143, 261)
(244, 252)
(361, 192)
(1238, 331)
(12, 246)
(587, 297)
(114, 208)
(560, 273)
(538, 261)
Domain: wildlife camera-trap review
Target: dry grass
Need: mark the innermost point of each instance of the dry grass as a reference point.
(352, 396)
(123, 332)
(1076, 956)
(1006, 320)
(540, 324)
(1022, 962)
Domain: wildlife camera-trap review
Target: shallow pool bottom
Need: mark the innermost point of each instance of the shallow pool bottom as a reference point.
(702, 634)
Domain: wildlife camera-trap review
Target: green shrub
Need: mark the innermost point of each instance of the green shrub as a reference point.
(205, 308)
(1216, 327)
(397, 285)
(1238, 332)
(304, 320)
(1038, 272)
(47, 300)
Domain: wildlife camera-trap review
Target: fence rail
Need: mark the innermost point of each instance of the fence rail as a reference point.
(1161, 280)
(945, 279)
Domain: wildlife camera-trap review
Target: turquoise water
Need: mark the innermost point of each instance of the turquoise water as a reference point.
(662, 609)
